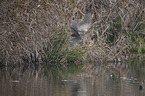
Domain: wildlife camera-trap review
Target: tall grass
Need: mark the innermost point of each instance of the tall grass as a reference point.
(38, 32)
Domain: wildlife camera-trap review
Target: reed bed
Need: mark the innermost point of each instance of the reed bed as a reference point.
(38, 32)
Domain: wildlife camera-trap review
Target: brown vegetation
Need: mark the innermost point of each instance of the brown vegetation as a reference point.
(38, 32)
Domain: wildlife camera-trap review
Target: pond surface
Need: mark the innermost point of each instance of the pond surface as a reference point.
(111, 79)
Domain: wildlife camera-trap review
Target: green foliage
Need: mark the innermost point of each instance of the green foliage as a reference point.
(75, 55)
(139, 48)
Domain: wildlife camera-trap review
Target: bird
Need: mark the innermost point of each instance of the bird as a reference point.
(83, 26)
(80, 29)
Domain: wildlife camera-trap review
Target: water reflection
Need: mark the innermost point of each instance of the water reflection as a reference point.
(121, 79)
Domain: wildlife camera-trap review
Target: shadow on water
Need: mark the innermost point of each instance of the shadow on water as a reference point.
(111, 79)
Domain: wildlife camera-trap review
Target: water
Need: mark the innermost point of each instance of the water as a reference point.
(111, 79)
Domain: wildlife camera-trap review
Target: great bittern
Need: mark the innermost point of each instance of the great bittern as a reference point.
(79, 29)
(82, 27)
